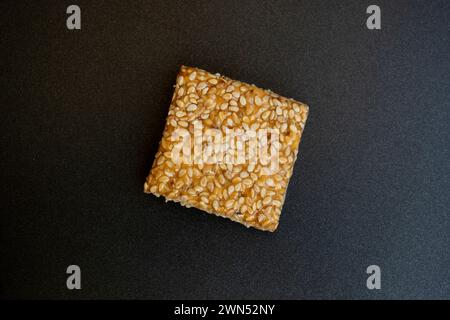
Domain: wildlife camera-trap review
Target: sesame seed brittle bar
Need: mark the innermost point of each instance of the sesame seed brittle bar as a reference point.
(249, 191)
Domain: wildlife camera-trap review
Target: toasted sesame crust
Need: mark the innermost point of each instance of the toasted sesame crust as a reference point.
(243, 192)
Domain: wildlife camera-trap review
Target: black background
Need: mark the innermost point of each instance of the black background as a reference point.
(83, 112)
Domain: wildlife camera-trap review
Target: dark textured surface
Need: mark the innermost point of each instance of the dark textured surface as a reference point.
(83, 112)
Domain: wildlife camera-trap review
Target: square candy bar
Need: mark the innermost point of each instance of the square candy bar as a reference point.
(211, 154)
